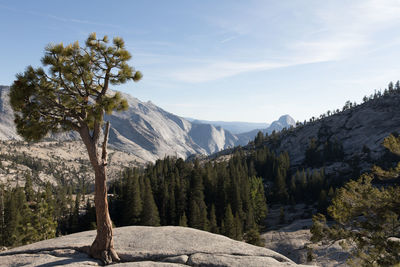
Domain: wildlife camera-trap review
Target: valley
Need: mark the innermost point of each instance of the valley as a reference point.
(328, 151)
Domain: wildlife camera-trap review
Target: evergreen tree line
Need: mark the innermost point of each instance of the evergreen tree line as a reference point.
(26, 216)
(331, 151)
(217, 197)
(284, 186)
(227, 197)
(222, 197)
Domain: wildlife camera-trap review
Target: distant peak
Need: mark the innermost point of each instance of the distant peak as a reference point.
(286, 119)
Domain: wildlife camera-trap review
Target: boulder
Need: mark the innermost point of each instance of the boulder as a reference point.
(147, 246)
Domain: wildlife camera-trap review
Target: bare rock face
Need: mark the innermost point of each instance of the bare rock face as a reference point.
(7, 127)
(144, 130)
(147, 246)
(358, 129)
(293, 241)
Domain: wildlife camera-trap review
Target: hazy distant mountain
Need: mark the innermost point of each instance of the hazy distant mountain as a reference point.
(235, 127)
(284, 121)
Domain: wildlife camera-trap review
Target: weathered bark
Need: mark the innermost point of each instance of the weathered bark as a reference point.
(103, 246)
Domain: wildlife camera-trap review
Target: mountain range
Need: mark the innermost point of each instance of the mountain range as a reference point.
(235, 127)
(149, 132)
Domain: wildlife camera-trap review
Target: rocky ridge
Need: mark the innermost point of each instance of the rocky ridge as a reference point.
(148, 246)
(361, 130)
(145, 130)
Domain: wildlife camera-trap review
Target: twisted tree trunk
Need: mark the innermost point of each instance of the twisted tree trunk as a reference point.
(103, 246)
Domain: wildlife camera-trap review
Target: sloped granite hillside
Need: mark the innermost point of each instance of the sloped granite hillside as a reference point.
(359, 129)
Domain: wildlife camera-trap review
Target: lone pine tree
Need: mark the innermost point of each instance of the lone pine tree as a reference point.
(72, 93)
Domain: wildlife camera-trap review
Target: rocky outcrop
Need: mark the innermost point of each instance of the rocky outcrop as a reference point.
(360, 130)
(148, 246)
(293, 241)
(220, 140)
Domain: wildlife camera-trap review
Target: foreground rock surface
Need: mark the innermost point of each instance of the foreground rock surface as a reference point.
(147, 246)
(293, 241)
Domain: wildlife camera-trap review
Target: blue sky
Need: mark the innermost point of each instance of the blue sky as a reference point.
(224, 60)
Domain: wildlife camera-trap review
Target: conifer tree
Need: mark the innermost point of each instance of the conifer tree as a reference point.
(229, 228)
(238, 228)
(89, 218)
(43, 221)
(75, 215)
(183, 221)
(312, 155)
(322, 201)
(280, 185)
(73, 94)
(198, 209)
(213, 221)
(15, 202)
(259, 139)
(2, 216)
(259, 202)
(132, 200)
(28, 188)
(253, 237)
(195, 215)
(282, 216)
(171, 218)
(150, 214)
(250, 222)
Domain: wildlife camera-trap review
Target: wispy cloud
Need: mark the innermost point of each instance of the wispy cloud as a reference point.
(218, 70)
(73, 20)
(348, 30)
(223, 69)
(58, 18)
(334, 33)
(329, 49)
(229, 39)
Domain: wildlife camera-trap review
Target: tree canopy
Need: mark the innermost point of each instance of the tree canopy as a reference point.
(72, 90)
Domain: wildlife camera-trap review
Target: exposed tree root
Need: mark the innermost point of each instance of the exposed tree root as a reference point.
(106, 256)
